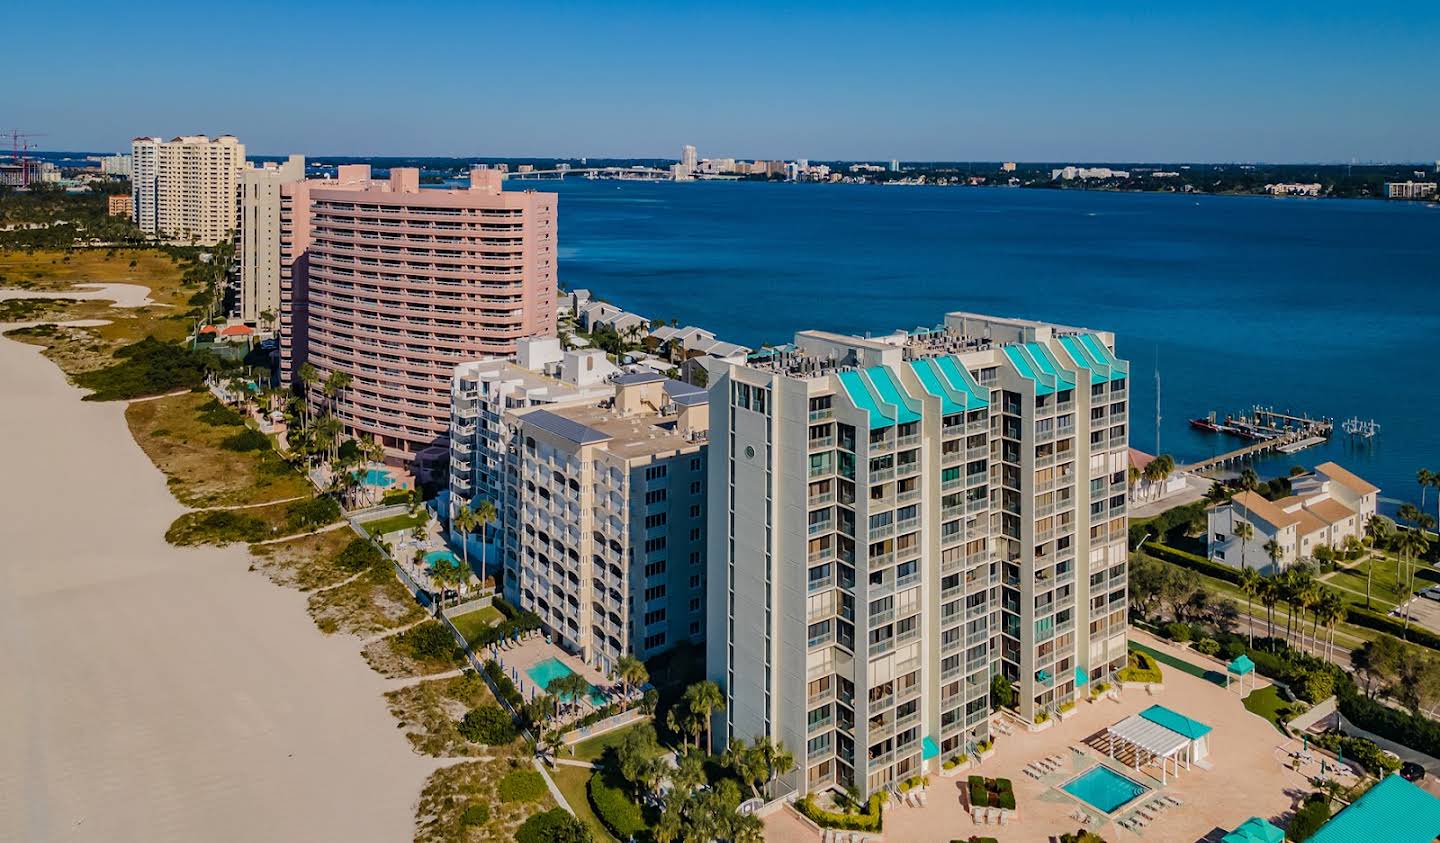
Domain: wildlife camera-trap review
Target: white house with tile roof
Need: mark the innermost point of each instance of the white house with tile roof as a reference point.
(1327, 505)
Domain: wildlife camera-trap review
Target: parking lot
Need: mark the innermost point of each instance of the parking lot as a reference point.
(1424, 612)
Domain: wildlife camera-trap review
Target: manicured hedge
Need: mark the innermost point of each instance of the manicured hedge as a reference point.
(1195, 563)
(979, 796)
(550, 826)
(614, 807)
(1360, 616)
(871, 819)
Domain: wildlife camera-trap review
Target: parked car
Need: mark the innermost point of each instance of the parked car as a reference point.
(1433, 592)
(1412, 772)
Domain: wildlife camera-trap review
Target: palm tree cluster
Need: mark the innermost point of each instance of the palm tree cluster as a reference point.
(1298, 590)
(316, 434)
(1157, 471)
(691, 715)
(466, 521)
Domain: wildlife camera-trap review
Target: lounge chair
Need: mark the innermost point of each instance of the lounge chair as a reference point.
(1174, 800)
(1004, 816)
(920, 797)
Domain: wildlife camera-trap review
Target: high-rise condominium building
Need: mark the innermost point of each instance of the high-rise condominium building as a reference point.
(604, 516)
(483, 391)
(963, 493)
(258, 243)
(185, 188)
(395, 285)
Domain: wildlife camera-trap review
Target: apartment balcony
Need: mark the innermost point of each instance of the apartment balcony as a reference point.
(882, 475)
(909, 441)
(822, 443)
(821, 415)
(821, 499)
(906, 497)
(907, 469)
(974, 427)
(949, 458)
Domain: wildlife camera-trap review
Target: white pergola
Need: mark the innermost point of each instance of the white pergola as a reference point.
(1151, 742)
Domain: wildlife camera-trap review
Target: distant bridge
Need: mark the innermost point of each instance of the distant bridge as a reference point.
(636, 173)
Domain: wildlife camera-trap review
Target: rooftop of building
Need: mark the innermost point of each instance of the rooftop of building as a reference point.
(1346, 478)
(645, 434)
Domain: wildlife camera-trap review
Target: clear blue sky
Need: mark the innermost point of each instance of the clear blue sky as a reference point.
(1155, 81)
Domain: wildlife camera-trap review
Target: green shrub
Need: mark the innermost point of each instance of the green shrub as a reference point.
(508, 692)
(487, 724)
(522, 786)
(359, 555)
(475, 814)
(1208, 646)
(1313, 814)
(1140, 667)
(979, 795)
(1178, 632)
(246, 440)
(1316, 686)
(148, 367)
(1362, 750)
(614, 806)
(1416, 732)
(312, 513)
(553, 826)
(871, 819)
(429, 641)
(218, 527)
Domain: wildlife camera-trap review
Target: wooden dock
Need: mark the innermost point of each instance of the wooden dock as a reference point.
(1276, 443)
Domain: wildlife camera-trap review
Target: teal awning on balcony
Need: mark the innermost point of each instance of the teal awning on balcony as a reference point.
(1081, 676)
(1044, 677)
(928, 749)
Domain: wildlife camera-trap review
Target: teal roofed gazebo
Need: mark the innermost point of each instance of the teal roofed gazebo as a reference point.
(1255, 830)
(1241, 667)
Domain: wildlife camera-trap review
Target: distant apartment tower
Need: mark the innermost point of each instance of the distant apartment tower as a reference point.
(963, 501)
(688, 158)
(116, 165)
(894, 165)
(605, 519)
(1007, 167)
(185, 189)
(258, 242)
(483, 391)
(1409, 189)
(396, 285)
(120, 205)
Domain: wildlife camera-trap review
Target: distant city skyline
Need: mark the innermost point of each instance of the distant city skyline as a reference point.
(917, 82)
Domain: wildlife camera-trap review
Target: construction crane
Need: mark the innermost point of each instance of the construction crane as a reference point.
(20, 147)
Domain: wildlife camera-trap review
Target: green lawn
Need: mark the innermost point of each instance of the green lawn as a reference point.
(381, 526)
(1384, 596)
(1267, 703)
(471, 624)
(571, 781)
(593, 748)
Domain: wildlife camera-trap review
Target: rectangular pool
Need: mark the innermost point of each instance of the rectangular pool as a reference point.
(551, 669)
(1104, 789)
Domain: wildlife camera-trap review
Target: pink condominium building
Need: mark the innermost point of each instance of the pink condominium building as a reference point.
(396, 285)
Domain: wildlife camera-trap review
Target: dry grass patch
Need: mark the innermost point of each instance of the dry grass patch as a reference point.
(430, 711)
(185, 435)
(424, 650)
(77, 350)
(373, 602)
(450, 791)
(33, 310)
(305, 563)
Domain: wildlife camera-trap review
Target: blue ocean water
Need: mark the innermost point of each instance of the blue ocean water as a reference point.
(1326, 306)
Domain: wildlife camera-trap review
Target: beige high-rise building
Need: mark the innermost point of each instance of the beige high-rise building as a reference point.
(186, 189)
(258, 243)
(963, 492)
(604, 518)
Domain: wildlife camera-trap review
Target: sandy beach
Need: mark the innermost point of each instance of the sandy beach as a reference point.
(155, 693)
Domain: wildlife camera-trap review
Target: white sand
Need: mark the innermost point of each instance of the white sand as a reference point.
(152, 693)
(123, 295)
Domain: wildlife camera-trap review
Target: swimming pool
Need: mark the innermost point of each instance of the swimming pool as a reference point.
(378, 477)
(436, 556)
(1105, 789)
(551, 669)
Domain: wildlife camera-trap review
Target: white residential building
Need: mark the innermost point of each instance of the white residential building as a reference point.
(115, 165)
(605, 518)
(258, 242)
(963, 493)
(186, 189)
(688, 158)
(481, 392)
(1327, 505)
(1409, 189)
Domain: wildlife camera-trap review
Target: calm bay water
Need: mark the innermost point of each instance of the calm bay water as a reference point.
(1328, 306)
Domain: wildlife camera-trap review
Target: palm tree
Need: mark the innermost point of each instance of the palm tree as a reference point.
(1250, 584)
(464, 521)
(267, 318)
(1330, 612)
(1132, 476)
(485, 515)
(1426, 479)
(336, 383)
(704, 699)
(570, 688)
(1273, 550)
(1244, 531)
(309, 376)
(632, 672)
(1306, 597)
(1249, 480)
(1152, 473)
(1269, 593)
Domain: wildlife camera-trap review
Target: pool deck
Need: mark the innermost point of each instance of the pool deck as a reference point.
(1248, 776)
(533, 651)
